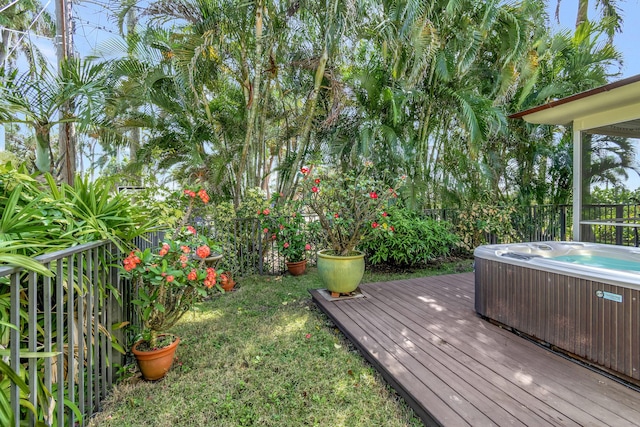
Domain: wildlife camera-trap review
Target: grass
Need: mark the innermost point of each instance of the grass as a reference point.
(264, 355)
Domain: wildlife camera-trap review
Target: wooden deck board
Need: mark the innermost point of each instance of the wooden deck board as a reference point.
(454, 368)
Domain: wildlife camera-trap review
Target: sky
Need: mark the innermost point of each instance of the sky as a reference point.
(626, 42)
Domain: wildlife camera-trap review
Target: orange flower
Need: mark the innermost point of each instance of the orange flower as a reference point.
(203, 251)
(203, 196)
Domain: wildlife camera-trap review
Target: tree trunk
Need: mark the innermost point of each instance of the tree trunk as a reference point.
(5, 36)
(253, 105)
(67, 137)
(43, 148)
(306, 130)
(583, 8)
(67, 144)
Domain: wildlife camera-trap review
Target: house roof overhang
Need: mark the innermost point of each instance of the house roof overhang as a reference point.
(612, 109)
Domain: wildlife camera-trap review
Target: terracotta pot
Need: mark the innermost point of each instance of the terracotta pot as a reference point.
(226, 281)
(297, 268)
(154, 364)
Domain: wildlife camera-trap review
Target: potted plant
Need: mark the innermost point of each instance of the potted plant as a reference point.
(287, 229)
(351, 207)
(169, 280)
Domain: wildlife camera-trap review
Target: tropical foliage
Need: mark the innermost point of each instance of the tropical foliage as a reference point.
(38, 218)
(416, 240)
(239, 96)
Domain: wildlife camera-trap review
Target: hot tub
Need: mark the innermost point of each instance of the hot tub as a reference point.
(580, 298)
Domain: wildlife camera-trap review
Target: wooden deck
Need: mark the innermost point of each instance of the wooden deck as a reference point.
(454, 368)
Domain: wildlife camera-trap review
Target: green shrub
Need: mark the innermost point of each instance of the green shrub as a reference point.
(481, 220)
(415, 240)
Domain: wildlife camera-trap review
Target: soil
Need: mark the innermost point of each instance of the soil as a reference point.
(162, 341)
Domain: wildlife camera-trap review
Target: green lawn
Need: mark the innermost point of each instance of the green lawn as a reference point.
(264, 355)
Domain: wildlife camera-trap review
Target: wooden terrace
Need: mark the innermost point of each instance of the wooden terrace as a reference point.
(454, 368)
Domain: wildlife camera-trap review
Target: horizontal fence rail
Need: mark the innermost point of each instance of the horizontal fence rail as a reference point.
(69, 314)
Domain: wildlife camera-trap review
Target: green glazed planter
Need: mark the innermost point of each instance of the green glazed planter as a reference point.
(340, 274)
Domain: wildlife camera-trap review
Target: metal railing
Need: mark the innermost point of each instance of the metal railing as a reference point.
(615, 224)
(247, 249)
(70, 314)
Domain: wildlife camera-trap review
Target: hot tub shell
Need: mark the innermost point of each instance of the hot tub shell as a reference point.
(587, 312)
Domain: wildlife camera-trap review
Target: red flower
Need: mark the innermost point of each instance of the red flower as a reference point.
(335, 215)
(266, 211)
(266, 230)
(375, 224)
(317, 181)
(203, 251)
(392, 229)
(314, 189)
(385, 214)
(286, 245)
(307, 247)
(170, 279)
(373, 195)
(193, 275)
(190, 193)
(304, 170)
(191, 230)
(163, 252)
(185, 249)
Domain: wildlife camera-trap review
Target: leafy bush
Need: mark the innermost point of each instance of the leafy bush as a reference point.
(482, 221)
(415, 240)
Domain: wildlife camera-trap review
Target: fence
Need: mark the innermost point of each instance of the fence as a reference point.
(529, 223)
(613, 223)
(247, 249)
(71, 315)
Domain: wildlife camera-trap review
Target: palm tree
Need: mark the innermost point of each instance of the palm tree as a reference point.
(36, 101)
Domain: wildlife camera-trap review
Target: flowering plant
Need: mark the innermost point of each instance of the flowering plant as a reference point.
(351, 206)
(172, 277)
(287, 229)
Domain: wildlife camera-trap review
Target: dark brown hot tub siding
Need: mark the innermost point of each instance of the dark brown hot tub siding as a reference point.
(565, 312)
